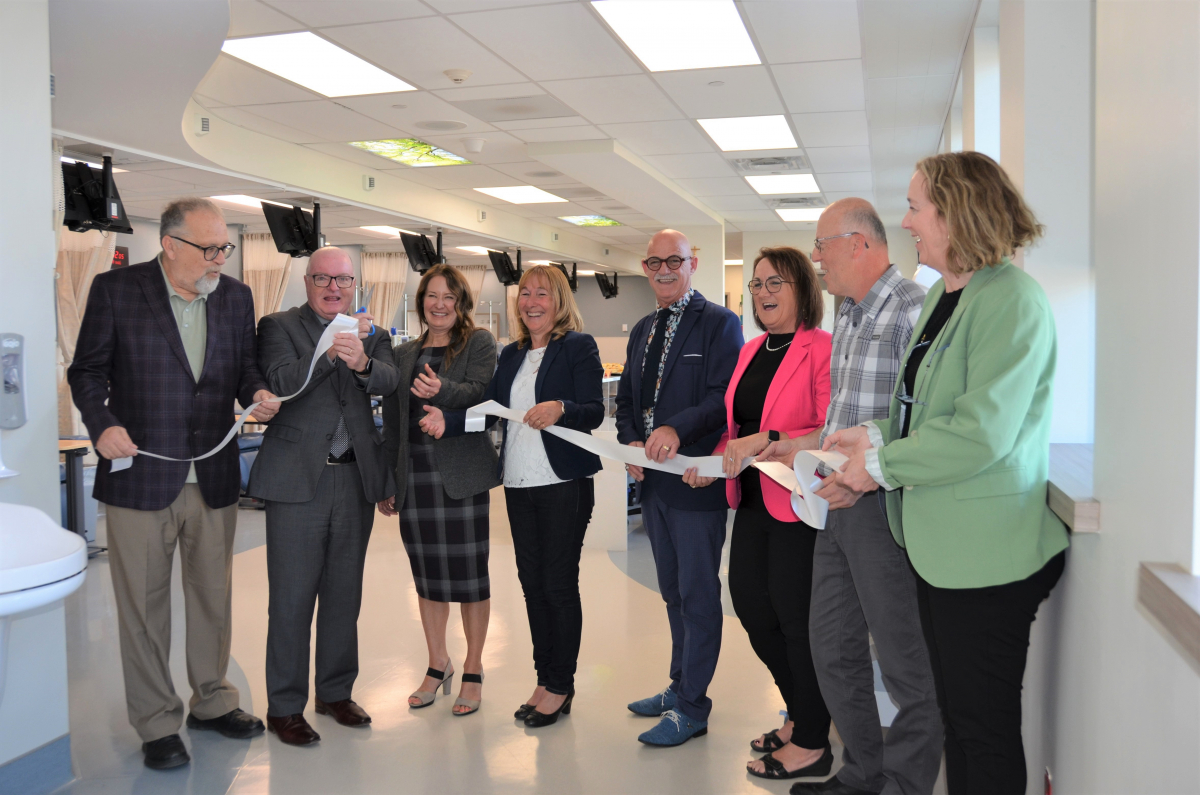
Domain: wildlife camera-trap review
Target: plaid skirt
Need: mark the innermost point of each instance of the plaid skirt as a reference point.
(446, 539)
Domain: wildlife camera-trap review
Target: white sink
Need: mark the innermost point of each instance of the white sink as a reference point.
(40, 563)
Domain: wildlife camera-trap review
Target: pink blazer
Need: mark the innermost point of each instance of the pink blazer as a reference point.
(796, 404)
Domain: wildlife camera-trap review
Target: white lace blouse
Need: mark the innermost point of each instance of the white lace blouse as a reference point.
(525, 461)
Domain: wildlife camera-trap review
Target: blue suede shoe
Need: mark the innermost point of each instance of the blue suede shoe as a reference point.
(675, 728)
(655, 706)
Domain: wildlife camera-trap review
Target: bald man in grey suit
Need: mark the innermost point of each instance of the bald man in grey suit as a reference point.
(321, 470)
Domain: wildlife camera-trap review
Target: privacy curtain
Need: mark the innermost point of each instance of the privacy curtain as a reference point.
(387, 272)
(510, 304)
(266, 271)
(81, 255)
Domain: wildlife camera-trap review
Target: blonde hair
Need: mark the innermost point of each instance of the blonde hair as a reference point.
(464, 325)
(566, 313)
(986, 218)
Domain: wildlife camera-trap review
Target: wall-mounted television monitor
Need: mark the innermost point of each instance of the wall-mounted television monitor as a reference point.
(607, 289)
(421, 254)
(91, 199)
(502, 264)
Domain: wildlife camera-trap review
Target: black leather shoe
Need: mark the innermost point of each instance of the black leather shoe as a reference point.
(536, 720)
(235, 724)
(165, 753)
(828, 787)
(345, 712)
(523, 711)
(293, 730)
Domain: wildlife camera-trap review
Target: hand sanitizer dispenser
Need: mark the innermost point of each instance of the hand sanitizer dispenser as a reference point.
(12, 394)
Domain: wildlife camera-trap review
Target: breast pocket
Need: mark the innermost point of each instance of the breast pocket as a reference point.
(694, 359)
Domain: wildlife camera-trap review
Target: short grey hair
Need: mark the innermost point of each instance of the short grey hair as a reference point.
(861, 217)
(174, 215)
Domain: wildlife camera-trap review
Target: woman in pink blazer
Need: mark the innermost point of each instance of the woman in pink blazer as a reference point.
(780, 389)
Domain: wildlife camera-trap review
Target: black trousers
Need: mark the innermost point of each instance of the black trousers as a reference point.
(770, 582)
(978, 642)
(548, 524)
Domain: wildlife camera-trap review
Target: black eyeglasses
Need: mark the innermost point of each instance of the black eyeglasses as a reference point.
(210, 252)
(323, 279)
(773, 284)
(673, 263)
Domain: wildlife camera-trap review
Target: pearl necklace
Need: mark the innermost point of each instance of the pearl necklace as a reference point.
(767, 344)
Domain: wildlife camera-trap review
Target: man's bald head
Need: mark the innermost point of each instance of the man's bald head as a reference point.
(330, 256)
(856, 215)
(669, 285)
(852, 247)
(668, 242)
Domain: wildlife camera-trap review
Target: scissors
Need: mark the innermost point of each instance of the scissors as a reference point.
(366, 302)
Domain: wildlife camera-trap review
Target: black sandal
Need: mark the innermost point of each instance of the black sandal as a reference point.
(771, 742)
(775, 770)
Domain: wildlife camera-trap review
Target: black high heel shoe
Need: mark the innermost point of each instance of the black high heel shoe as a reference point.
(523, 711)
(535, 719)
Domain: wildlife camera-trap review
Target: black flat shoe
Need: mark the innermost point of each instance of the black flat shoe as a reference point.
(234, 724)
(165, 753)
(771, 742)
(536, 720)
(523, 711)
(775, 770)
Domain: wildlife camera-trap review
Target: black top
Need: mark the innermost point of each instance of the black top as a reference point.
(432, 356)
(748, 402)
(937, 321)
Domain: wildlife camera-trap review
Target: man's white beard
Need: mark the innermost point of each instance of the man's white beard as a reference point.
(206, 284)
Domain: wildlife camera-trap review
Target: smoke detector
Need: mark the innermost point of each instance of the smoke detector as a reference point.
(474, 145)
(457, 76)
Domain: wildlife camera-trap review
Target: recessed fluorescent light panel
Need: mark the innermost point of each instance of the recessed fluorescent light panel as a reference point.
(319, 65)
(522, 194)
(480, 250)
(585, 273)
(588, 220)
(387, 230)
(750, 132)
(798, 214)
(704, 33)
(411, 152)
(769, 184)
(100, 166)
(242, 200)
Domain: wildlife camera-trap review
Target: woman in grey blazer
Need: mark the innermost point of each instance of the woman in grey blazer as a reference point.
(442, 484)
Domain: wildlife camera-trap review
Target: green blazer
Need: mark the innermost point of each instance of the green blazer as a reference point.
(970, 479)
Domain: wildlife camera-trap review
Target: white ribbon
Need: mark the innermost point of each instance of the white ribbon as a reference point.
(340, 324)
(800, 479)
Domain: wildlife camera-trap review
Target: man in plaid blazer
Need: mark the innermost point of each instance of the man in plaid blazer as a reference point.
(164, 350)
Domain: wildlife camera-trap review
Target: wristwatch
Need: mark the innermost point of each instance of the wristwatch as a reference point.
(772, 436)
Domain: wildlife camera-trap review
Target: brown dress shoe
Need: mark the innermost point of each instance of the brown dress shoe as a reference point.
(345, 712)
(293, 729)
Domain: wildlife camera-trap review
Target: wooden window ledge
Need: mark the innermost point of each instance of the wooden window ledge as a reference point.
(1070, 494)
(1171, 594)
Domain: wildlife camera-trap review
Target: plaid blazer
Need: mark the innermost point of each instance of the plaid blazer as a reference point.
(130, 369)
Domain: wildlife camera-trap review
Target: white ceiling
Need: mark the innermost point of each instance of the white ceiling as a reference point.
(864, 84)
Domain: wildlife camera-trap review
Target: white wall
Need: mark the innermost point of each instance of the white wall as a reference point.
(34, 709)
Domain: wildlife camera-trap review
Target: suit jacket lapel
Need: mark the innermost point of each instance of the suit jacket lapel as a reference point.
(797, 353)
(312, 324)
(552, 350)
(160, 306)
(690, 316)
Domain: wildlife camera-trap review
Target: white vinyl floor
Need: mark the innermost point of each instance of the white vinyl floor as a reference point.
(624, 656)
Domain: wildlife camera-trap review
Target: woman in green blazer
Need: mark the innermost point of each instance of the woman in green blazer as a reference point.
(964, 455)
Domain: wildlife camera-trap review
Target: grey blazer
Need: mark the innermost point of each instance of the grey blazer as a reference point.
(467, 463)
(295, 446)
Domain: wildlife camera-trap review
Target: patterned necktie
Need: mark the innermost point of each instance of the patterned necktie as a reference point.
(653, 357)
(341, 439)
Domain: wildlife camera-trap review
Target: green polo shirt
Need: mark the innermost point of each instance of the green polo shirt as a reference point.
(191, 317)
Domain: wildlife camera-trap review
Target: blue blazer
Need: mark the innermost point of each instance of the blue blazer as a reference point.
(570, 372)
(691, 399)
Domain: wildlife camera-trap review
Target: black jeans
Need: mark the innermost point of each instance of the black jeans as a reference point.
(770, 582)
(978, 641)
(548, 524)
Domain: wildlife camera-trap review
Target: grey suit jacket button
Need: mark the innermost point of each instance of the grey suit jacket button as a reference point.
(329, 437)
(343, 402)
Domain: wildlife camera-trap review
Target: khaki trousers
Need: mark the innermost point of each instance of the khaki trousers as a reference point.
(141, 546)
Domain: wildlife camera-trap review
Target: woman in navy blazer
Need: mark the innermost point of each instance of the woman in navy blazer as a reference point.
(553, 373)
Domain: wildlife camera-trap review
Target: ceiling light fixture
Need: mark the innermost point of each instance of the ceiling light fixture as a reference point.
(589, 220)
(794, 215)
(750, 132)
(243, 200)
(712, 29)
(319, 65)
(411, 152)
(387, 230)
(521, 194)
(480, 250)
(773, 184)
(100, 166)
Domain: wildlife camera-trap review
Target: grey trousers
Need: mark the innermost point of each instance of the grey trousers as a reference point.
(315, 553)
(862, 581)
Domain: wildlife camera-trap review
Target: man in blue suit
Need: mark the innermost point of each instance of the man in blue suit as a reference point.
(671, 400)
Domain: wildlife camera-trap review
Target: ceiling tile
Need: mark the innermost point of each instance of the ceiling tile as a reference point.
(548, 42)
(890, 180)
(660, 137)
(420, 50)
(524, 171)
(353, 154)
(243, 118)
(839, 158)
(586, 133)
(252, 18)
(909, 101)
(460, 177)
(498, 147)
(461, 6)
(747, 91)
(234, 82)
(716, 186)
(921, 38)
(320, 13)
(847, 181)
(847, 128)
(505, 91)
(691, 166)
(612, 100)
(146, 181)
(822, 86)
(902, 147)
(327, 119)
(537, 124)
(789, 31)
(415, 107)
(723, 204)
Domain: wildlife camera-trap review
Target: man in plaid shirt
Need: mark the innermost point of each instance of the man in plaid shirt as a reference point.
(861, 579)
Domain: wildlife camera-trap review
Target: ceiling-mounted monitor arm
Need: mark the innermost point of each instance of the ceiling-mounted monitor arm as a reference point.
(440, 256)
(318, 238)
(519, 271)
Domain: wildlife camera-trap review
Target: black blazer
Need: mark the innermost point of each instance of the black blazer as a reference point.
(703, 355)
(571, 372)
(131, 356)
